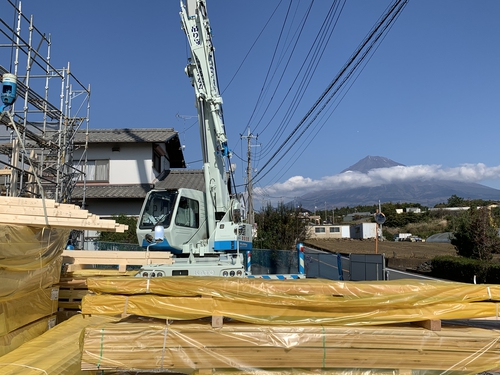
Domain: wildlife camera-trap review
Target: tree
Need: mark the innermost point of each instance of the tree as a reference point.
(129, 236)
(279, 228)
(456, 201)
(475, 234)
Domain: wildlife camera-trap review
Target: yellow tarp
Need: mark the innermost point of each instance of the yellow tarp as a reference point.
(304, 301)
(29, 248)
(15, 281)
(154, 345)
(56, 352)
(28, 332)
(266, 311)
(413, 291)
(30, 264)
(24, 308)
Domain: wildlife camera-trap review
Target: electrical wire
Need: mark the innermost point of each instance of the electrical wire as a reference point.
(345, 73)
(323, 123)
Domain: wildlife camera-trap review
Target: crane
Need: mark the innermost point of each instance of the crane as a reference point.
(202, 229)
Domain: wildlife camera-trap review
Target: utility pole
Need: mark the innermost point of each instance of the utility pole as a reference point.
(249, 137)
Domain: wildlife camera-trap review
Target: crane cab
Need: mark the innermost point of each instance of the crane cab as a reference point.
(180, 212)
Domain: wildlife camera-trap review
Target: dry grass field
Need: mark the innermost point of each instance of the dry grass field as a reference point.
(400, 255)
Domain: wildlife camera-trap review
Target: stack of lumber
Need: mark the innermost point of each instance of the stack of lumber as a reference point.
(18, 337)
(33, 234)
(150, 344)
(56, 352)
(49, 213)
(30, 268)
(71, 292)
(292, 326)
(82, 264)
(300, 301)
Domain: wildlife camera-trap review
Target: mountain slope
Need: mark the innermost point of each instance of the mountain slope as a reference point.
(428, 192)
(371, 162)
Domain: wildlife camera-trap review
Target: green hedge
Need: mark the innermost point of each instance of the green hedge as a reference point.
(464, 269)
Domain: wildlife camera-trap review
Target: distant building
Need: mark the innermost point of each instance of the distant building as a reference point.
(363, 231)
(318, 232)
(356, 231)
(415, 210)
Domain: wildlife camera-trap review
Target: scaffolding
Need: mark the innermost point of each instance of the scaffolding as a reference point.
(37, 135)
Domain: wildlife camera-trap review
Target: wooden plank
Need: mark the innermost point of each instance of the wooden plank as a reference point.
(432, 325)
(32, 202)
(67, 282)
(89, 224)
(46, 212)
(217, 321)
(39, 211)
(75, 260)
(146, 357)
(98, 255)
(68, 305)
(72, 294)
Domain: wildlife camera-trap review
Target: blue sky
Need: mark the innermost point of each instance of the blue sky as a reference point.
(427, 97)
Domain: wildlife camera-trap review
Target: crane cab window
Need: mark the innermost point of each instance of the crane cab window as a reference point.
(158, 209)
(188, 214)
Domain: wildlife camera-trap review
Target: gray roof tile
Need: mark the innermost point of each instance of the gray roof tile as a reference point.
(191, 178)
(126, 135)
(112, 191)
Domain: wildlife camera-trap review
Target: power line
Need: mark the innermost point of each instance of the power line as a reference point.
(345, 73)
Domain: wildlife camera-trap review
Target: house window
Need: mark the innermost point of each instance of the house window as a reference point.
(334, 229)
(158, 152)
(98, 170)
(319, 230)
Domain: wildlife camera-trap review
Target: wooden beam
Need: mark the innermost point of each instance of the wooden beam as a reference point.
(78, 259)
(40, 211)
(431, 325)
(47, 212)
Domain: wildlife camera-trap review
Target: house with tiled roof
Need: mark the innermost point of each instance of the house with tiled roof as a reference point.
(122, 165)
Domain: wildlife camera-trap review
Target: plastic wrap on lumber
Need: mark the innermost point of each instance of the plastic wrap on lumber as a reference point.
(394, 292)
(146, 345)
(27, 248)
(24, 308)
(274, 311)
(96, 272)
(15, 339)
(14, 281)
(56, 352)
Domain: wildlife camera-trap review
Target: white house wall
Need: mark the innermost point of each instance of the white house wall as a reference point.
(131, 165)
(343, 232)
